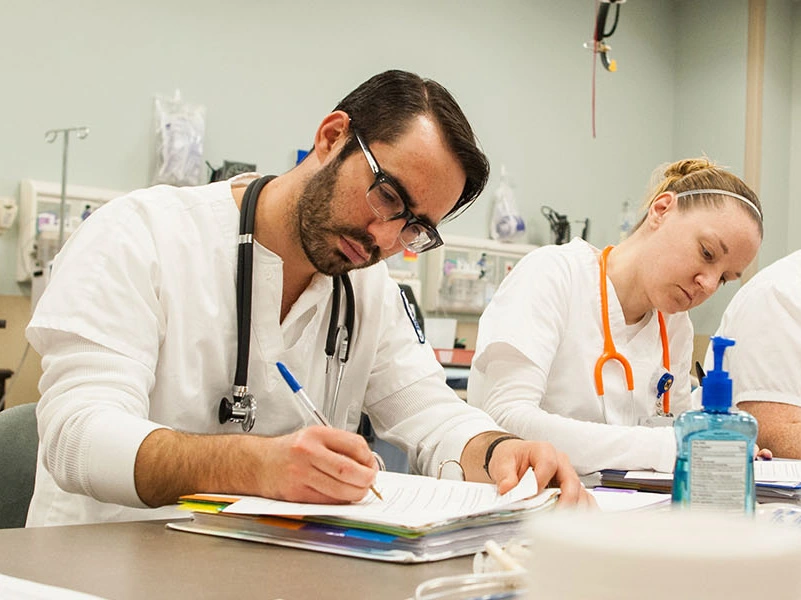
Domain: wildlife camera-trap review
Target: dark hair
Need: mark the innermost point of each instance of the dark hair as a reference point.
(383, 107)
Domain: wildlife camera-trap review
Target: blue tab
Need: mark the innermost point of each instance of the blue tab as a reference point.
(412, 317)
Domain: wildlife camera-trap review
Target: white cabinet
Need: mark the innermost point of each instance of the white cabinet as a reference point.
(462, 275)
(36, 247)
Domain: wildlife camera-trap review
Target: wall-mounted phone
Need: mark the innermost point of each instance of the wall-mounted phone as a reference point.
(8, 212)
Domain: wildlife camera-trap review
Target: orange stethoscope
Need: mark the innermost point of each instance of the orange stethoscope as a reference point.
(611, 353)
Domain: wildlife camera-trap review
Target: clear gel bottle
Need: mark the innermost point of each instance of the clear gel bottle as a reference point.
(715, 447)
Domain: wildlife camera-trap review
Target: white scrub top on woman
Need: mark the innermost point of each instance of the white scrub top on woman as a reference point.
(538, 341)
(137, 331)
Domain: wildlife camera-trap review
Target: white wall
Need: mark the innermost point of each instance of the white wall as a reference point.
(794, 200)
(517, 67)
(710, 102)
(777, 110)
(268, 71)
(710, 113)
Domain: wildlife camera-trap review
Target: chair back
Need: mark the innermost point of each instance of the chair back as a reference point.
(19, 441)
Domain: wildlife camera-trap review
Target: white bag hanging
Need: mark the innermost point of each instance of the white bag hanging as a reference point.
(507, 224)
(180, 128)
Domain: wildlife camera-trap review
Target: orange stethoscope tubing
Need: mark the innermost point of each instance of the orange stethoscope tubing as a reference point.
(665, 359)
(610, 351)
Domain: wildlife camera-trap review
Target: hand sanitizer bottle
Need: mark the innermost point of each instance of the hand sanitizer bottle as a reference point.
(715, 447)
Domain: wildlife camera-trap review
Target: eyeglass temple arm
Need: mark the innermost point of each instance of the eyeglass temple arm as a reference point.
(367, 154)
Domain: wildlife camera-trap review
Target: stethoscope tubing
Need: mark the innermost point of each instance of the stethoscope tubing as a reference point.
(610, 352)
(340, 282)
(244, 278)
(338, 333)
(244, 297)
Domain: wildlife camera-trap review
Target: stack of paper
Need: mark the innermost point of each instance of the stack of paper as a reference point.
(420, 519)
(776, 480)
(644, 481)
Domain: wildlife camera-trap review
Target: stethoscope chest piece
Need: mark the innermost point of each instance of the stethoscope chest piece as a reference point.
(241, 410)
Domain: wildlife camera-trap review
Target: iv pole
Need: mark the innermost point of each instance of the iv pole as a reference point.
(50, 137)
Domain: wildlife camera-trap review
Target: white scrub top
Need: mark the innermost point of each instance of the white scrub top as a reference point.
(137, 330)
(764, 320)
(538, 342)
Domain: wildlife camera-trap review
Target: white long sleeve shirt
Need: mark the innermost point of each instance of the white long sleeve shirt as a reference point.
(764, 319)
(538, 342)
(137, 331)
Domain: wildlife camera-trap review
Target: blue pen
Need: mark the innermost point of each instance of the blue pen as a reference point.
(300, 393)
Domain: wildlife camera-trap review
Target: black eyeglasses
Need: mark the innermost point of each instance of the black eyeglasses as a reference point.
(389, 203)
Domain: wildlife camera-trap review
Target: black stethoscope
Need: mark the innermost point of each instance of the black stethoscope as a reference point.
(243, 407)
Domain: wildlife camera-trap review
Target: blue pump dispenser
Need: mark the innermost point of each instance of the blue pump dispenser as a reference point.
(715, 446)
(716, 386)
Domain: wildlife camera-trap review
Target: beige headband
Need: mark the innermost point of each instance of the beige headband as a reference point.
(723, 193)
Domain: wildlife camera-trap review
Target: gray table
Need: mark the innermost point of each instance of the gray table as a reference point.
(146, 560)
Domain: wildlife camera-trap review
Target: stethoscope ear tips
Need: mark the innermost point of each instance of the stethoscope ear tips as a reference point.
(243, 411)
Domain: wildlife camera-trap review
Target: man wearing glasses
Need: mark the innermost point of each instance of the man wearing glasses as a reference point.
(138, 328)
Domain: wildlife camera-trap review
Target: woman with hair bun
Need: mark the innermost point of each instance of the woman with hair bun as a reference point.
(597, 364)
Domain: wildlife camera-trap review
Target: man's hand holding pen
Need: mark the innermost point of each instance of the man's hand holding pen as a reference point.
(341, 471)
(315, 464)
(322, 465)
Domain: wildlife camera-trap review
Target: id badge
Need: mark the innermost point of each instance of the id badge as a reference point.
(656, 421)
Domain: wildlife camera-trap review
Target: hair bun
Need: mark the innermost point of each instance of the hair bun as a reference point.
(679, 169)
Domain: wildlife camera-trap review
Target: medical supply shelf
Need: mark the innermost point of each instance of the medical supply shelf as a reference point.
(462, 275)
(36, 246)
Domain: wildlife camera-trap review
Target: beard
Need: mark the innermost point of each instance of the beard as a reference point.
(317, 227)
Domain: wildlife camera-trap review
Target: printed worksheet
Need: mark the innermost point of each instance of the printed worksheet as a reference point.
(410, 501)
(777, 470)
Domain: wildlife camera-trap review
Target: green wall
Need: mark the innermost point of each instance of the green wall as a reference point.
(268, 72)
